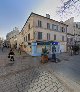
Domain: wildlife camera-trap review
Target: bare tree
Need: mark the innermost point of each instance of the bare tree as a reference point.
(68, 8)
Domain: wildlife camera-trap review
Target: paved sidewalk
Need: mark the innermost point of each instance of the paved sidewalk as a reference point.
(63, 56)
(32, 80)
(27, 74)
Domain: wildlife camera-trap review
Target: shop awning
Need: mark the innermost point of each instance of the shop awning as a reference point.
(47, 43)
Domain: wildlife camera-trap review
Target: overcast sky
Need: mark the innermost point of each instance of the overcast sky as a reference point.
(14, 13)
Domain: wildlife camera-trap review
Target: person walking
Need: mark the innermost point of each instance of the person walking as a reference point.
(53, 53)
(2, 49)
(11, 55)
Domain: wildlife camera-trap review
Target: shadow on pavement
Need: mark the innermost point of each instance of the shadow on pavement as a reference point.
(9, 64)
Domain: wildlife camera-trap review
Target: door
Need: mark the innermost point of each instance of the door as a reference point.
(61, 48)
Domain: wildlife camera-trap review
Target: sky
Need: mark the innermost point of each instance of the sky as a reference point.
(14, 13)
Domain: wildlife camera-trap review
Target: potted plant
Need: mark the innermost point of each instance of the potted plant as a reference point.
(44, 55)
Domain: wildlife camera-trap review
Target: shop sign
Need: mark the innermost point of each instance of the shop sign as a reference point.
(55, 43)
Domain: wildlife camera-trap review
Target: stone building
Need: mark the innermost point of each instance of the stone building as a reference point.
(40, 31)
(1, 42)
(73, 31)
(11, 37)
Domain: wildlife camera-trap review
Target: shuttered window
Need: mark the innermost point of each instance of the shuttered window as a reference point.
(29, 37)
(54, 37)
(48, 36)
(62, 38)
(39, 35)
(39, 23)
(48, 25)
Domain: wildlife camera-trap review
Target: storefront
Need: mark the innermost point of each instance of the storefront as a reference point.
(37, 47)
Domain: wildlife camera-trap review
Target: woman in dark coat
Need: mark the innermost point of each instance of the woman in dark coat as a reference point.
(11, 55)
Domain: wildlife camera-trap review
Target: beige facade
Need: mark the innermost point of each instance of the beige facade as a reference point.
(20, 39)
(11, 37)
(77, 31)
(73, 31)
(52, 32)
(39, 28)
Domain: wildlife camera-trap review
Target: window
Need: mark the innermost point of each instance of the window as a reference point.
(26, 38)
(29, 43)
(79, 26)
(39, 23)
(39, 35)
(48, 25)
(29, 26)
(62, 29)
(67, 39)
(62, 38)
(54, 37)
(76, 25)
(54, 27)
(71, 39)
(48, 36)
(29, 37)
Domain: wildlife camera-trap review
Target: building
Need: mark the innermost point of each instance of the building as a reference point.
(1, 42)
(40, 31)
(73, 31)
(20, 40)
(77, 31)
(11, 37)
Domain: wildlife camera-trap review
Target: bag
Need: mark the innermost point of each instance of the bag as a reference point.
(9, 56)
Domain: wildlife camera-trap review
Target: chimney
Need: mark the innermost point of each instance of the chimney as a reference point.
(48, 16)
(61, 21)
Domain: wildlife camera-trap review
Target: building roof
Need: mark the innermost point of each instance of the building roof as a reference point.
(43, 17)
(49, 18)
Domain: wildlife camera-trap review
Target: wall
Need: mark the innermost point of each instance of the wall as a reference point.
(19, 39)
(45, 21)
(26, 30)
(70, 23)
(44, 29)
(34, 29)
(44, 34)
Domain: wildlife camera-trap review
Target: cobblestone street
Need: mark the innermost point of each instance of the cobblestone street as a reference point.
(27, 75)
(39, 45)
